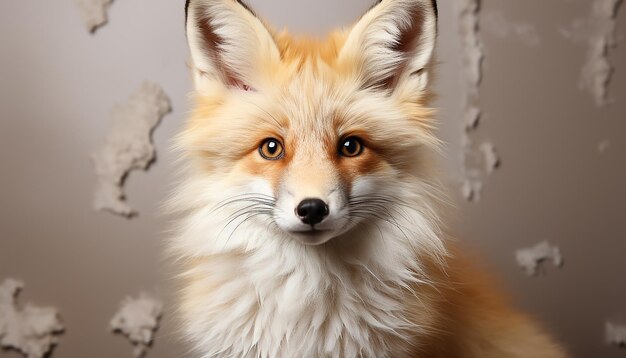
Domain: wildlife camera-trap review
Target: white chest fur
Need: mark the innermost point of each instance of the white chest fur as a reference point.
(291, 300)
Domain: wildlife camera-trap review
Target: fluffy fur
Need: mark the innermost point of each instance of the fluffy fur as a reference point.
(378, 278)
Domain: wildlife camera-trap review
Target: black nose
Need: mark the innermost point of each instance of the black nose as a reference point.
(312, 211)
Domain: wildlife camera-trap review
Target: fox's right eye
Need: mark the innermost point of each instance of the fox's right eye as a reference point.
(271, 149)
(350, 147)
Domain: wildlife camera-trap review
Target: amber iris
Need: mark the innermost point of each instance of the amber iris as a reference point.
(271, 149)
(350, 147)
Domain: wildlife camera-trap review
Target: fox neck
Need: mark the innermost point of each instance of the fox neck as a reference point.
(342, 299)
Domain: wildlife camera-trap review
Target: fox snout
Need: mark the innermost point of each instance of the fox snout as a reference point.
(312, 211)
(313, 221)
(311, 206)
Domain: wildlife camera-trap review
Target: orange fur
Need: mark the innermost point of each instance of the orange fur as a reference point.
(471, 317)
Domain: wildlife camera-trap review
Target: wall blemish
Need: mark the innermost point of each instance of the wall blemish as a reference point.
(530, 259)
(128, 146)
(30, 330)
(476, 161)
(503, 28)
(473, 56)
(472, 189)
(603, 146)
(138, 319)
(615, 334)
(491, 158)
(598, 32)
(472, 117)
(94, 13)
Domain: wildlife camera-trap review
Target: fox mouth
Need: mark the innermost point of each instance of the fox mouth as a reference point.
(313, 236)
(310, 232)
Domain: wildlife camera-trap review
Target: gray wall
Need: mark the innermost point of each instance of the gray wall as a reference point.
(57, 84)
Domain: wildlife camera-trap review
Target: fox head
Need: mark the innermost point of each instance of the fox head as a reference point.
(303, 140)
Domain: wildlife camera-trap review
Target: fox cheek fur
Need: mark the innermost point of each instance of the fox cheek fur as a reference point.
(309, 222)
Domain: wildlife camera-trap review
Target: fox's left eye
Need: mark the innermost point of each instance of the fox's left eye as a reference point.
(271, 149)
(350, 147)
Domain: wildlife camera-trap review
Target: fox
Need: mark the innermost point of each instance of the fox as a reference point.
(310, 213)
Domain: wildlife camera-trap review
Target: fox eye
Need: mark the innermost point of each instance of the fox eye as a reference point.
(350, 147)
(271, 149)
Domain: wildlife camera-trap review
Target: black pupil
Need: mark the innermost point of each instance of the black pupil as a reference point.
(272, 147)
(350, 146)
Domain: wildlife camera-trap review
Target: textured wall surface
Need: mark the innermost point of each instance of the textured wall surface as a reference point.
(58, 83)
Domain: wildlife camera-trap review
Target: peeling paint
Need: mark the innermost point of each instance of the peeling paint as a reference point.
(598, 32)
(472, 117)
(128, 146)
(530, 259)
(491, 158)
(503, 28)
(472, 190)
(615, 334)
(604, 146)
(473, 158)
(30, 330)
(94, 13)
(473, 48)
(138, 319)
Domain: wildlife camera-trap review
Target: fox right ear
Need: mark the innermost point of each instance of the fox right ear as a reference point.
(392, 44)
(228, 43)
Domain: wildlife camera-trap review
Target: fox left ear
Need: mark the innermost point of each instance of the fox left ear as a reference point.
(228, 44)
(392, 44)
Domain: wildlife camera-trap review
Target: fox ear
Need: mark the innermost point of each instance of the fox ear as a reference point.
(393, 44)
(228, 43)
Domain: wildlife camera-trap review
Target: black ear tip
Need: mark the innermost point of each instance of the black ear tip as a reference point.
(433, 2)
(187, 10)
(246, 6)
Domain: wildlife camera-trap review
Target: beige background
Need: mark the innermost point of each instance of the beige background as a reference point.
(57, 84)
